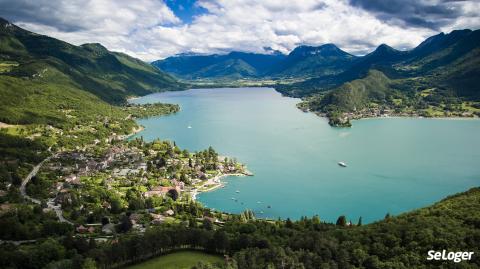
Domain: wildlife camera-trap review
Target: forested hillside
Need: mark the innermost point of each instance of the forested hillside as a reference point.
(41, 78)
(401, 241)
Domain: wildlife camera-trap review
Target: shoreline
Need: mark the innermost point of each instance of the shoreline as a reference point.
(216, 183)
(354, 118)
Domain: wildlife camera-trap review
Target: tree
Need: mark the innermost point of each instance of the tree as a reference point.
(207, 224)
(359, 221)
(289, 223)
(125, 224)
(115, 205)
(342, 221)
(173, 193)
(89, 263)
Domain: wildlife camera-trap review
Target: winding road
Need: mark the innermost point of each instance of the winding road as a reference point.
(51, 202)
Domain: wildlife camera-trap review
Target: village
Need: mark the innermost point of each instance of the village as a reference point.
(130, 185)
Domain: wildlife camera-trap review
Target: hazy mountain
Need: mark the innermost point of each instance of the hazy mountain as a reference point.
(323, 60)
(233, 65)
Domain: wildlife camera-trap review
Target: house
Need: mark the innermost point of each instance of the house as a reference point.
(73, 179)
(142, 166)
(135, 218)
(106, 205)
(82, 229)
(157, 218)
(169, 212)
(179, 184)
(160, 191)
(108, 228)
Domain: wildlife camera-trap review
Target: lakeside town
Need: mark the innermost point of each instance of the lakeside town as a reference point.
(111, 185)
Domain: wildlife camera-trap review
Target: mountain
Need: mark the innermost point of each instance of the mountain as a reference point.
(233, 65)
(442, 59)
(304, 61)
(40, 75)
(440, 77)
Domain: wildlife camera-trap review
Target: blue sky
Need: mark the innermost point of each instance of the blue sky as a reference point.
(185, 10)
(155, 29)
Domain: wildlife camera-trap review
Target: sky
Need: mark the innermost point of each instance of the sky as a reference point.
(156, 29)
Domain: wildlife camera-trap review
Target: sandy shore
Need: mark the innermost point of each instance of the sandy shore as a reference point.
(216, 182)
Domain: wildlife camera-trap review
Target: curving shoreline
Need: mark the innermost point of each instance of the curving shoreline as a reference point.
(216, 183)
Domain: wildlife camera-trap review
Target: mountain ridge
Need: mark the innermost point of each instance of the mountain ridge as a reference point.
(47, 68)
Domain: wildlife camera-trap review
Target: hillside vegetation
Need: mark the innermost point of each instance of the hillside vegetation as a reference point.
(396, 242)
(44, 80)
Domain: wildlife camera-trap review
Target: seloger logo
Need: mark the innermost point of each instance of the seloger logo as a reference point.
(449, 256)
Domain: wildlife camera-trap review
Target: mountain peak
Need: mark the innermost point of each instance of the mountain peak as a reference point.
(3, 21)
(384, 50)
(324, 50)
(6, 25)
(384, 47)
(97, 46)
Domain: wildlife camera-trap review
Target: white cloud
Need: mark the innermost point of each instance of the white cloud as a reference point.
(149, 30)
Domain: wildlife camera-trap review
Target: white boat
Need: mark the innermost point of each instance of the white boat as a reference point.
(237, 191)
(189, 127)
(342, 164)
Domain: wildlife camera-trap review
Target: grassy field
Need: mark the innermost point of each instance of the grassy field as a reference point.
(178, 260)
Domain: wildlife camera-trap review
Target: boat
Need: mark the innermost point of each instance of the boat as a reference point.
(189, 127)
(342, 164)
(269, 207)
(237, 191)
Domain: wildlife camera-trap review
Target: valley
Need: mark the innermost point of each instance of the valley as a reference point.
(107, 161)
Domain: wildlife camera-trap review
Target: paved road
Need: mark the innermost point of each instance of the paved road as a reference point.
(17, 243)
(51, 202)
(28, 178)
(58, 210)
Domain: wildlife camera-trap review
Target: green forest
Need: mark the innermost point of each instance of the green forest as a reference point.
(395, 242)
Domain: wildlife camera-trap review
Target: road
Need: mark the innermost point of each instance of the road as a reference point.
(51, 202)
(28, 178)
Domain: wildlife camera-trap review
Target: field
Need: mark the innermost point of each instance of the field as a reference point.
(178, 260)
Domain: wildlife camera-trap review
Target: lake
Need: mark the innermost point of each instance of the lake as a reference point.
(394, 164)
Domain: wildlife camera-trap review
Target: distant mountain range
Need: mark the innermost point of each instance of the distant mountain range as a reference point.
(234, 65)
(442, 71)
(304, 61)
(328, 66)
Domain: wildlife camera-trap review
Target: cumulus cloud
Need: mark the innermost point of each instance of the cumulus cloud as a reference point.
(149, 30)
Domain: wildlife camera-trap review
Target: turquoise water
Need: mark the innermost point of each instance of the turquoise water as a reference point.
(394, 165)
